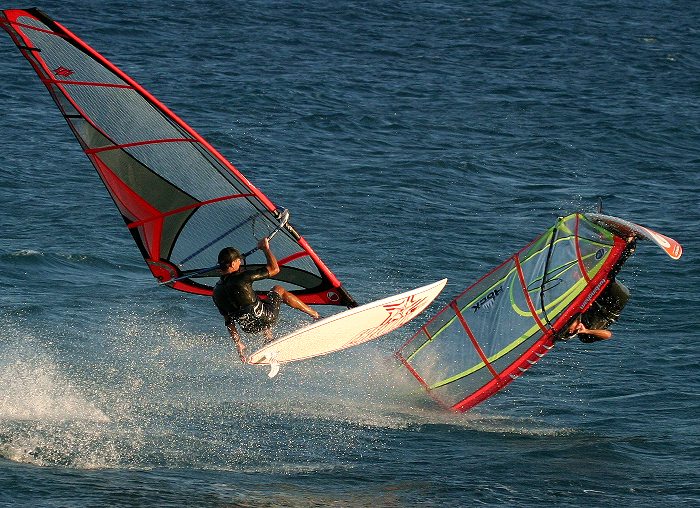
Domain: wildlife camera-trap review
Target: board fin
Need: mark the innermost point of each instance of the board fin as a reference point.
(274, 369)
(274, 364)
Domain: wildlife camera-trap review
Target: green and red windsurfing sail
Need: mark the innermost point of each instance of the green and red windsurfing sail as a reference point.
(504, 323)
(181, 200)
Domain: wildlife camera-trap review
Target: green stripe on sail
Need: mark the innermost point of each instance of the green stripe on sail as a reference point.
(564, 302)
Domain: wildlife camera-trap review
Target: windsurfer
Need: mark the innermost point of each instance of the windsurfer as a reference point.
(237, 301)
(587, 334)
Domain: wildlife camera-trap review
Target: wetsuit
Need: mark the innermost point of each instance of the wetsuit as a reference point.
(604, 311)
(236, 300)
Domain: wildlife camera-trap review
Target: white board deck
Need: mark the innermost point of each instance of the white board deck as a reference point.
(347, 329)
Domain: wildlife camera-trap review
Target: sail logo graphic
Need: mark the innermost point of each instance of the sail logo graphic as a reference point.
(488, 300)
(63, 72)
(593, 292)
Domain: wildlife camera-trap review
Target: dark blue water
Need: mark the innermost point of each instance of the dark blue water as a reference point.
(411, 141)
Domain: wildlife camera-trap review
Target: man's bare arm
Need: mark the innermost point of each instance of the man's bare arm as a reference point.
(272, 266)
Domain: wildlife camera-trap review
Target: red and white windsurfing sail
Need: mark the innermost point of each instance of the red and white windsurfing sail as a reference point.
(504, 323)
(181, 200)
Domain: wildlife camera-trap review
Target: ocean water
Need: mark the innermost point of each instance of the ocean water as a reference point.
(411, 141)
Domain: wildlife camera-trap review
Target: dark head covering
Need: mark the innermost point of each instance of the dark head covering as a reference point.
(228, 256)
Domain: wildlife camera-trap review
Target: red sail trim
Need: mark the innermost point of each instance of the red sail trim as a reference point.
(191, 288)
(291, 258)
(413, 372)
(579, 258)
(162, 215)
(139, 143)
(321, 298)
(29, 27)
(537, 351)
(324, 269)
(42, 69)
(166, 271)
(132, 205)
(56, 81)
(473, 340)
(523, 285)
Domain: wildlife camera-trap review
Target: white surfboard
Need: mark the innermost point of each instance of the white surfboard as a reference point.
(347, 329)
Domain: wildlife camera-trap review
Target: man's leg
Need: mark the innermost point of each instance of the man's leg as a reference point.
(236, 337)
(294, 302)
(267, 334)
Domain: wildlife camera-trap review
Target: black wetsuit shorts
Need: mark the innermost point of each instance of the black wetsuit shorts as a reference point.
(261, 315)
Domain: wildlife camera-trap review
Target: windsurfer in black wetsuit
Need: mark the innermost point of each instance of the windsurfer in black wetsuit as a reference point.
(585, 334)
(591, 326)
(237, 302)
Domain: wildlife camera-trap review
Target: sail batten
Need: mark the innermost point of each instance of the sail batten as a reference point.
(138, 143)
(180, 198)
(64, 82)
